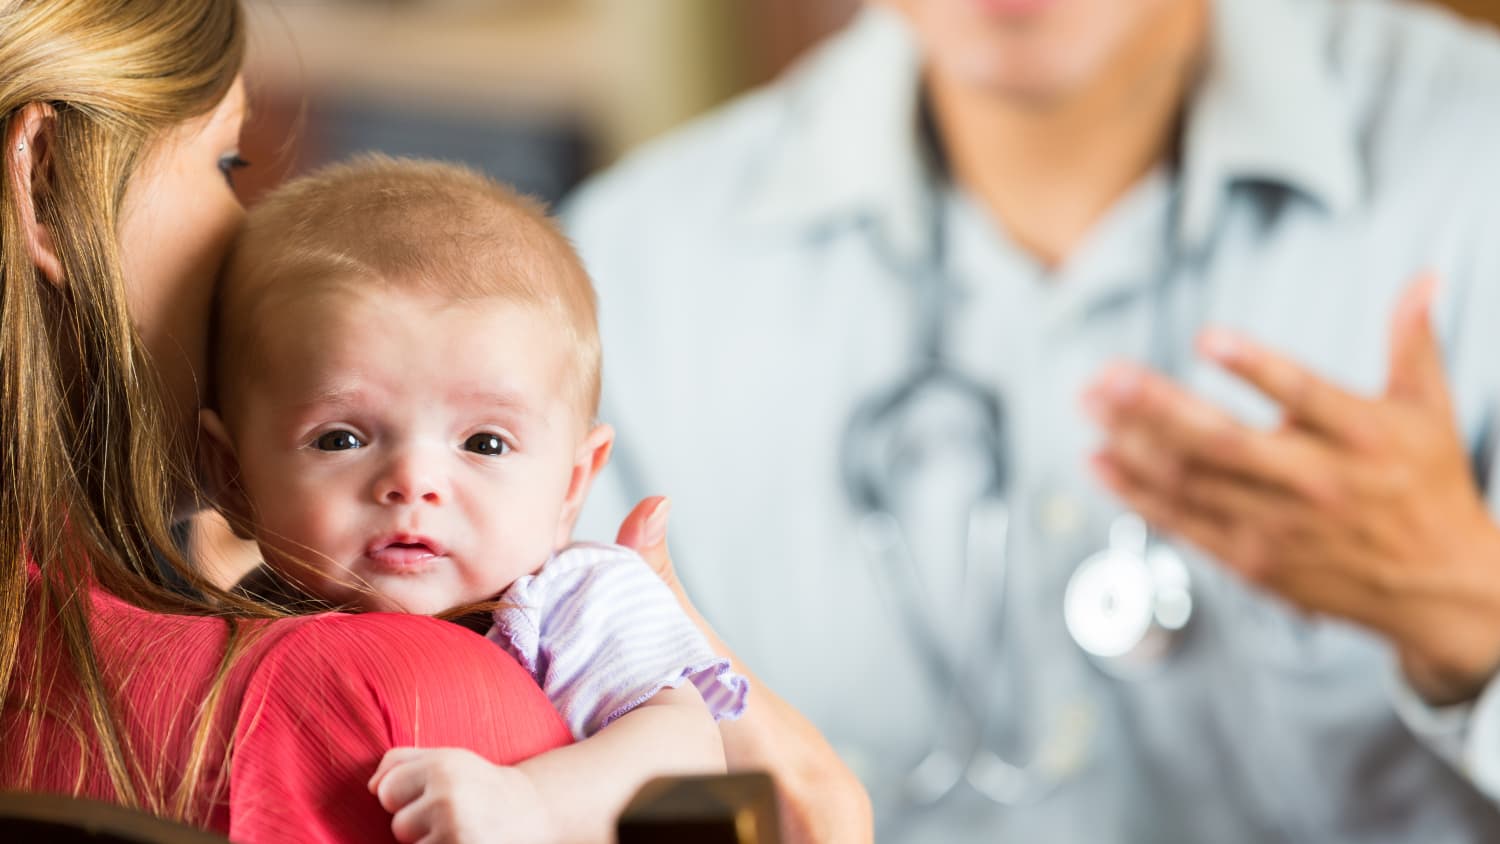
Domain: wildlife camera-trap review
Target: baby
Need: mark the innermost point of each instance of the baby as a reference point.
(407, 375)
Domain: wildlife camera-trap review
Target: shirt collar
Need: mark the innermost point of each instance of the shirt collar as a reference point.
(1266, 110)
(855, 149)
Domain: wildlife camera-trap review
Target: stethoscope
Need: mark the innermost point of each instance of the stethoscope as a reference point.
(1125, 606)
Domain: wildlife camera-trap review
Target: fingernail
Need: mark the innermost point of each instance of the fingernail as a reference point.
(656, 524)
(1123, 384)
(1220, 345)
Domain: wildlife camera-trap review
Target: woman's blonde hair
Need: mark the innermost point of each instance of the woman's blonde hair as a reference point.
(90, 473)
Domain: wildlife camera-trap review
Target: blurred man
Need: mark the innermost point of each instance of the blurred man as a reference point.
(908, 334)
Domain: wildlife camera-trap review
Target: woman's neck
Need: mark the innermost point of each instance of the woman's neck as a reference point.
(1048, 172)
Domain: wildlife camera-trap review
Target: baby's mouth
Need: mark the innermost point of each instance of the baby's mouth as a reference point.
(404, 552)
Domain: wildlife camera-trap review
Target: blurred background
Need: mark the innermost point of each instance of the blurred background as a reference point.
(535, 92)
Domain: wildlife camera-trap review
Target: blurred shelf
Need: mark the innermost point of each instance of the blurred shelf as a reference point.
(1483, 10)
(626, 69)
(468, 57)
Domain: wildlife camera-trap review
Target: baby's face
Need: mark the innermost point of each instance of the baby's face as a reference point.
(416, 454)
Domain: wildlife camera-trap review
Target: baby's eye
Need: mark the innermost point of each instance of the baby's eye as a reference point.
(490, 444)
(337, 441)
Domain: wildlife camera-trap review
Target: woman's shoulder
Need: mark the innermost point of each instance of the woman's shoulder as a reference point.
(329, 694)
(375, 681)
(339, 629)
(389, 654)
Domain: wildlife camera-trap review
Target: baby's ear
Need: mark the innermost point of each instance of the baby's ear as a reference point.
(592, 455)
(219, 471)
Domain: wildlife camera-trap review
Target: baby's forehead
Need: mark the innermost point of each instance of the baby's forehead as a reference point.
(290, 330)
(359, 311)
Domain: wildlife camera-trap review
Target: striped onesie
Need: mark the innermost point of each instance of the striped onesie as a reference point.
(602, 634)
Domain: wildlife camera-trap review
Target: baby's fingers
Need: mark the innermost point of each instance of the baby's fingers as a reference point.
(401, 785)
(393, 757)
(412, 825)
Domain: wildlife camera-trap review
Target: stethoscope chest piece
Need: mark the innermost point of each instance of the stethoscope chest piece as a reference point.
(1127, 605)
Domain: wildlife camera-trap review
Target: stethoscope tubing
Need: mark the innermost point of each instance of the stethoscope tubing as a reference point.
(884, 539)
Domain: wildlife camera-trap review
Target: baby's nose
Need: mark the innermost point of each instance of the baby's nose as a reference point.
(406, 482)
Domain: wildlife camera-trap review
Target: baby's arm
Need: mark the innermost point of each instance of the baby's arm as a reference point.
(571, 794)
(601, 633)
(586, 785)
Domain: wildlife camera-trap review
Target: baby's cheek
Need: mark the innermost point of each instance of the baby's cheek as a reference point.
(518, 547)
(322, 522)
(302, 523)
(541, 542)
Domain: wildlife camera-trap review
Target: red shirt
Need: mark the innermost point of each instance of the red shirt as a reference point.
(311, 707)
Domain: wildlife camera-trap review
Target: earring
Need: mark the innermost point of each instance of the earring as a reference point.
(21, 147)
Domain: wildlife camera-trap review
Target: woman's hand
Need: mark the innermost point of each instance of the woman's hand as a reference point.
(820, 798)
(1360, 508)
(451, 795)
(645, 532)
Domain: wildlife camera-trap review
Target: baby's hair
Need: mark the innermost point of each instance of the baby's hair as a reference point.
(424, 226)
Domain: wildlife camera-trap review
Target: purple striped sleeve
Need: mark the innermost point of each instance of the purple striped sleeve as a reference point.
(602, 634)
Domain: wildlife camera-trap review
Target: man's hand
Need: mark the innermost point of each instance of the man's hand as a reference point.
(450, 795)
(1362, 508)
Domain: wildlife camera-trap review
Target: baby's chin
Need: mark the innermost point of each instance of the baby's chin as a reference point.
(412, 604)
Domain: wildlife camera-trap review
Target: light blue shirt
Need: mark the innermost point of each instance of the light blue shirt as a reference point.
(758, 274)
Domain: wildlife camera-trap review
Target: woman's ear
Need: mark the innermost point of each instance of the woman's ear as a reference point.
(27, 160)
(219, 468)
(592, 454)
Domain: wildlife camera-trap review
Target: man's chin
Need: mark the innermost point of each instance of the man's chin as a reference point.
(1038, 85)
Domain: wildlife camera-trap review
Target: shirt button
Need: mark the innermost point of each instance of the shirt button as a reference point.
(1061, 515)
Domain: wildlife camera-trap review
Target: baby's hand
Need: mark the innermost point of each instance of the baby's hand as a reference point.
(452, 795)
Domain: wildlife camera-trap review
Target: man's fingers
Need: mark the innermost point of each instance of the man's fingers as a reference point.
(1148, 460)
(1198, 527)
(1181, 429)
(1307, 398)
(1416, 372)
(1250, 532)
